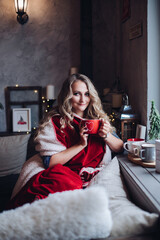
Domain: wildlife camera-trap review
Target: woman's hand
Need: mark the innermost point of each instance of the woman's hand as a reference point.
(83, 135)
(115, 144)
(104, 129)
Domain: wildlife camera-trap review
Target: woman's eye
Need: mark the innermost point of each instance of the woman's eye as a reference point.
(76, 93)
(87, 94)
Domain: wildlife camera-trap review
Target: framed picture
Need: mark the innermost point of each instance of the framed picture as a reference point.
(21, 119)
(135, 31)
(126, 12)
(24, 97)
(140, 131)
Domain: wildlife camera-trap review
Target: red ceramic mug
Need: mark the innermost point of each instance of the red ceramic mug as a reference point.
(92, 125)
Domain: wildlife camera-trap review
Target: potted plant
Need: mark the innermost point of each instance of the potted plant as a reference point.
(154, 132)
(154, 118)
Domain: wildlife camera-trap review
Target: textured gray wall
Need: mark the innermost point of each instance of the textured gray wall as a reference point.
(42, 51)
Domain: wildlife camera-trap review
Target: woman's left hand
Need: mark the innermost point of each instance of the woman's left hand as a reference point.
(115, 144)
(104, 129)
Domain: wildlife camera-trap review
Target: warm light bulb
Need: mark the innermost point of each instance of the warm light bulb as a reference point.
(21, 5)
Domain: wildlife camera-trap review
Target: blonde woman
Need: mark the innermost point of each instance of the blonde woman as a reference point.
(70, 155)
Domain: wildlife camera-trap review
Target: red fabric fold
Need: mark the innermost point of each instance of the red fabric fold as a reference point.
(55, 179)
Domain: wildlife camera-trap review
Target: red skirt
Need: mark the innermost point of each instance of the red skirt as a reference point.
(54, 179)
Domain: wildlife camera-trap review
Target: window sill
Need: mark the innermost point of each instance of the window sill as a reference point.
(143, 184)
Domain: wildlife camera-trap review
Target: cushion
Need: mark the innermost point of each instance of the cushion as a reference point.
(78, 214)
(128, 219)
(13, 151)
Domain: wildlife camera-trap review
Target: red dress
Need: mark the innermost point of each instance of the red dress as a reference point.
(62, 177)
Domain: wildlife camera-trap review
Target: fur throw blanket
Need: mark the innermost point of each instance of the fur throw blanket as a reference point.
(69, 215)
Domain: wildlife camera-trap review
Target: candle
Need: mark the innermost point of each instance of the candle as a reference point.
(116, 100)
(73, 70)
(50, 92)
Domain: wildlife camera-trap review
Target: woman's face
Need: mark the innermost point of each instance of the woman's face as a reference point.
(80, 99)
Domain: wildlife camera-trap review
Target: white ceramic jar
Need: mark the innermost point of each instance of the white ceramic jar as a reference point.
(157, 156)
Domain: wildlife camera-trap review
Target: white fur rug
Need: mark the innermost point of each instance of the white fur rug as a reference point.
(70, 215)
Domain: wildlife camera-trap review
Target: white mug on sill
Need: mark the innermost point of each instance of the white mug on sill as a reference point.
(128, 146)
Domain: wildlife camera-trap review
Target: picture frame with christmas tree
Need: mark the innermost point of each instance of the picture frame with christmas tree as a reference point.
(21, 119)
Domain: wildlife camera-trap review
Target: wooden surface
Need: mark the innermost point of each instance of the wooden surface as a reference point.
(138, 160)
(143, 184)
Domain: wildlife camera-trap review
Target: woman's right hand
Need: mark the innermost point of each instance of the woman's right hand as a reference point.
(83, 135)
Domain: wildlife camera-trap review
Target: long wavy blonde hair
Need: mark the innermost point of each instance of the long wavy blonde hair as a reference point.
(64, 108)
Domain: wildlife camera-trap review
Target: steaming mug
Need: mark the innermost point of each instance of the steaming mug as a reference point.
(148, 152)
(128, 146)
